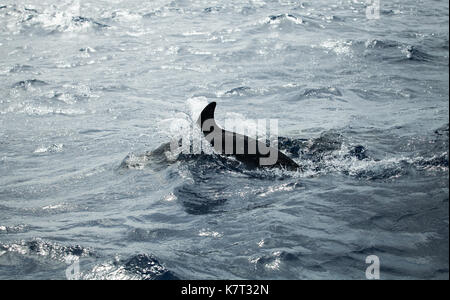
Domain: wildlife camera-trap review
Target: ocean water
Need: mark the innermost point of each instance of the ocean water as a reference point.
(90, 90)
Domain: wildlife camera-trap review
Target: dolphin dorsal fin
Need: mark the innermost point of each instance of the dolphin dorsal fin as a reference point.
(207, 114)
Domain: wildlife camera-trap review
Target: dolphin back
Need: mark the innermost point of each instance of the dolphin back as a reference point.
(207, 114)
(242, 153)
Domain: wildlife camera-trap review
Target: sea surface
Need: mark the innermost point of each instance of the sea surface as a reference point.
(91, 90)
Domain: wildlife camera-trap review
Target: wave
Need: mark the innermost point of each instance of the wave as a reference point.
(53, 251)
(52, 19)
(277, 19)
(415, 54)
(324, 92)
(14, 229)
(41, 110)
(54, 259)
(28, 84)
(54, 148)
(137, 267)
(379, 50)
(239, 91)
(395, 51)
(212, 9)
(36, 97)
(18, 68)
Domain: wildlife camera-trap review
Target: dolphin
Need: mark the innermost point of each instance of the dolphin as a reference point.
(251, 152)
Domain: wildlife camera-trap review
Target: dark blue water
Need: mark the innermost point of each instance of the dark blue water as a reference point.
(90, 91)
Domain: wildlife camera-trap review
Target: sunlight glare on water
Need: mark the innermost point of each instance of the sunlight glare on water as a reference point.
(92, 92)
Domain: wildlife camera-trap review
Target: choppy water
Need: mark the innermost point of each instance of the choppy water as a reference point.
(88, 91)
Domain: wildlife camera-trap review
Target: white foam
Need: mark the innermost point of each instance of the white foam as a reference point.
(53, 148)
(338, 46)
(195, 106)
(209, 233)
